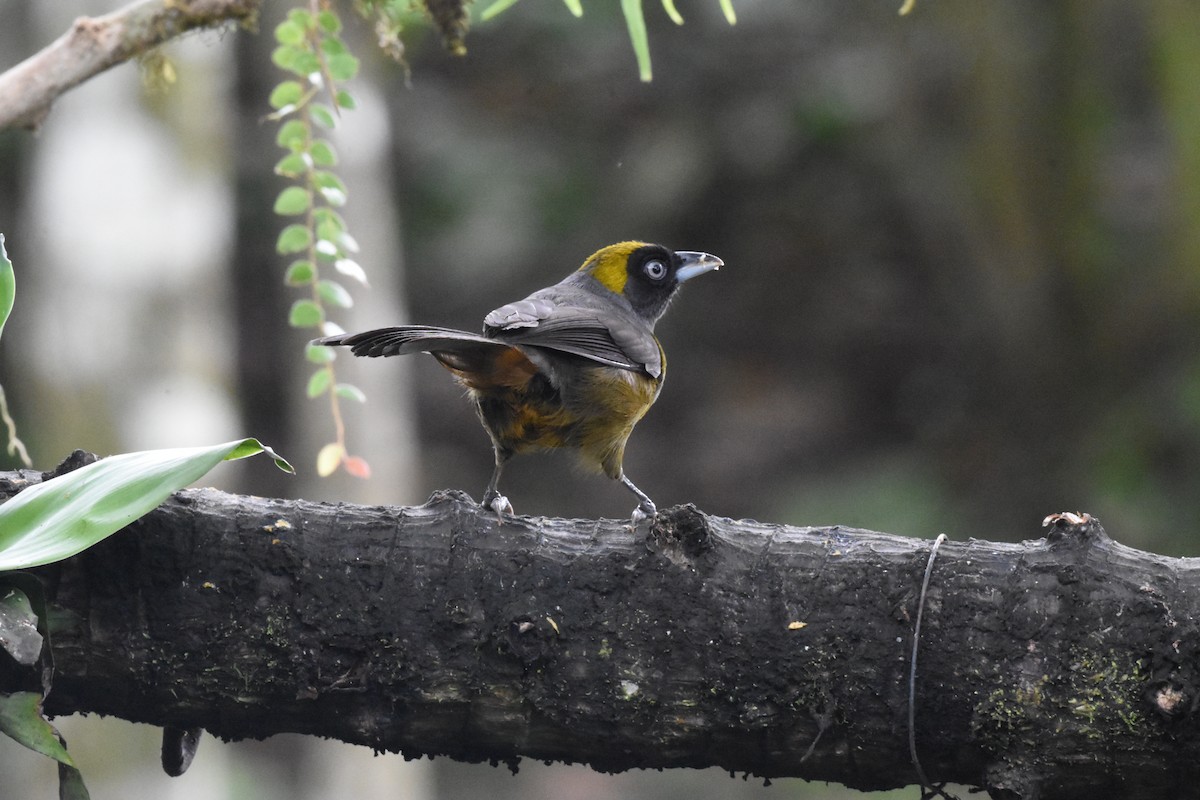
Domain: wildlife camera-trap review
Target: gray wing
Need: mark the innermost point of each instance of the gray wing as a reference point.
(525, 313)
(604, 336)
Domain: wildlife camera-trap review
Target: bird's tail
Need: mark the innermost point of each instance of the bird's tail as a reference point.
(408, 339)
(477, 361)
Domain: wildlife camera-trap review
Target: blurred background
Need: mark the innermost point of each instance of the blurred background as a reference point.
(962, 286)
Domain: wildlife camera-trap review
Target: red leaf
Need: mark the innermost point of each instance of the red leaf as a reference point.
(356, 466)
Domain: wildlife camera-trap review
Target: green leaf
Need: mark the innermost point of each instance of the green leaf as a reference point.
(305, 314)
(332, 46)
(60, 517)
(293, 239)
(21, 718)
(319, 383)
(8, 285)
(323, 115)
(636, 23)
(672, 11)
(323, 154)
(299, 16)
(307, 64)
(292, 200)
(289, 33)
(300, 273)
(342, 66)
(575, 7)
(288, 93)
(496, 8)
(727, 8)
(350, 392)
(292, 135)
(327, 216)
(319, 353)
(293, 165)
(335, 294)
(346, 100)
(330, 224)
(329, 21)
(70, 784)
(285, 57)
(296, 60)
(323, 179)
(19, 634)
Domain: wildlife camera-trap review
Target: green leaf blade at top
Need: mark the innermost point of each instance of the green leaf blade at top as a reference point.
(636, 22)
(496, 8)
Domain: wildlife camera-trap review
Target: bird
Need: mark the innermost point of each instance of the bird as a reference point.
(575, 365)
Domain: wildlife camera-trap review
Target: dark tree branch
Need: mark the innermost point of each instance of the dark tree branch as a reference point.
(1064, 667)
(93, 44)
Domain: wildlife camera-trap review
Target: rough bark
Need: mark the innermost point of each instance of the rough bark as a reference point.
(1063, 667)
(93, 44)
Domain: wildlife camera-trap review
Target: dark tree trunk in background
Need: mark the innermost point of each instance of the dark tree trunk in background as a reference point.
(1063, 667)
(266, 360)
(16, 157)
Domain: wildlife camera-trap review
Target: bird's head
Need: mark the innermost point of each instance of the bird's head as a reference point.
(647, 275)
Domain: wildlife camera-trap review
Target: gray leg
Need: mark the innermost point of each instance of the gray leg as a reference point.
(645, 508)
(491, 496)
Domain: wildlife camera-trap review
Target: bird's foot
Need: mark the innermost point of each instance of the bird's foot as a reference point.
(645, 510)
(499, 504)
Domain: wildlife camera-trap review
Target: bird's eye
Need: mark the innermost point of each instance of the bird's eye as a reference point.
(655, 270)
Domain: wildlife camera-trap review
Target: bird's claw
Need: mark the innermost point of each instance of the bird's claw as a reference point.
(645, 510)
(499, 504)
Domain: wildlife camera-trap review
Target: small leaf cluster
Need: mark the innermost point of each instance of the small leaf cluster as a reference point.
(388, 17)
(635, 21)
(309, 47)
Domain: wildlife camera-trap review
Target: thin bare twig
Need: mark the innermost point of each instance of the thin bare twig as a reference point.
(93, 44)
(15, 446)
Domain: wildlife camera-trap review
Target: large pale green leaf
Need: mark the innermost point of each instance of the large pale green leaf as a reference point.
(60, 517)
(8, 285)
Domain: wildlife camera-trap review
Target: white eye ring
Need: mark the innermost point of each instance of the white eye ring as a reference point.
(655, 270)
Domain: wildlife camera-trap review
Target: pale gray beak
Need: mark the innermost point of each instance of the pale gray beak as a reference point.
(693, 264)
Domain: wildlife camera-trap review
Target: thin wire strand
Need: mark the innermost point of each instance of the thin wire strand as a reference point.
(912, 667)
